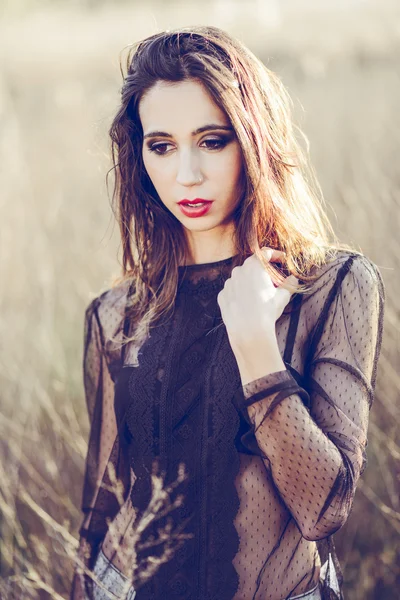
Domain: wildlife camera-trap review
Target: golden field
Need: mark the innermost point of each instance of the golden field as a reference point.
(59, 88)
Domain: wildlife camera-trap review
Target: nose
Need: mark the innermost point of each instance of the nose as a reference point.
(189, 172)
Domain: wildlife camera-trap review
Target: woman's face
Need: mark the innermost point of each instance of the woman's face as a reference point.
(190, 151)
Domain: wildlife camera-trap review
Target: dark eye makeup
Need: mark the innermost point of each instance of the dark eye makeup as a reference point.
(215, 143)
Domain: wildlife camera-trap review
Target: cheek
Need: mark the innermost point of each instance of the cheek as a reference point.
(230, 162)
(233, 166)
(234, 177)
(157, 170)
(238, 158)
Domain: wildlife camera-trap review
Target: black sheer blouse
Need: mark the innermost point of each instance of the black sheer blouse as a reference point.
(272, 466)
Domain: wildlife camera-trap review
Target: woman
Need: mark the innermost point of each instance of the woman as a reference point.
(229, 373)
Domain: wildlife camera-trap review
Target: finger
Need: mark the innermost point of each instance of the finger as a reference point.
(273, 255)
(282, 298)
(267, 252)
(284, 292)
(278, 256)
(291, 283)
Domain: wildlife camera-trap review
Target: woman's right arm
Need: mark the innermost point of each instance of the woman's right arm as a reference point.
(98, 503)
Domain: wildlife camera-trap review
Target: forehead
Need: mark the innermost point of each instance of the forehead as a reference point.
(178, 107)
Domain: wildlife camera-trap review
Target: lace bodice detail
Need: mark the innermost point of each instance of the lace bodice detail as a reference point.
(272, 465)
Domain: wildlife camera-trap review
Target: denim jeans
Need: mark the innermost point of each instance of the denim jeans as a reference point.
(113, 580)
(314, 594)
(116, 583)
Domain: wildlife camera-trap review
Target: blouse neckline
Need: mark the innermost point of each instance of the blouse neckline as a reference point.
(216, 263)
(204, 278)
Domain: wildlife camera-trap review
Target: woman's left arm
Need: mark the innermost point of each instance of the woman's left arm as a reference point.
(314, 441)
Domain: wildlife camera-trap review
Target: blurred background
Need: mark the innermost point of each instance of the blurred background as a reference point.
(59, 245)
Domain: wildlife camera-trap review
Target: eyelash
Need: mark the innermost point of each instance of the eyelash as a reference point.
(220, 143)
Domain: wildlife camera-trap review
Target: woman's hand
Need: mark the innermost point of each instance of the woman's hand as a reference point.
(250, 306)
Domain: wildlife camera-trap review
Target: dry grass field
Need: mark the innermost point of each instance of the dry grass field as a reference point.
(59, 86)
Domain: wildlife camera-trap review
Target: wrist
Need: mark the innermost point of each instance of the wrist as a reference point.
(260, 361)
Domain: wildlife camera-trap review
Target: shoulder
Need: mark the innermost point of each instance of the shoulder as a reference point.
(108, 308)
(104, 319)
(348, 284)
(347, 270)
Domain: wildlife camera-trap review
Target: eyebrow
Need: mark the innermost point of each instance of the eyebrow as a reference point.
(195, 132)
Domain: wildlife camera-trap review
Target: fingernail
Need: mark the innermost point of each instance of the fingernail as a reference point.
(267, 251)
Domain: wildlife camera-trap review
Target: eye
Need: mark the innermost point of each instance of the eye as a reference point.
(215, 143)
(160, 148)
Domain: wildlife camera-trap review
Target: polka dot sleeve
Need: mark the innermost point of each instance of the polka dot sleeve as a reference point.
(313, 437)
(99, 501)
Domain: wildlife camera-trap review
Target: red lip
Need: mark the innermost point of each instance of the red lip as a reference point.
(186, 201)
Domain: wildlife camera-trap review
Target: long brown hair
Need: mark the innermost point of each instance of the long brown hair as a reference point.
(281, 204)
